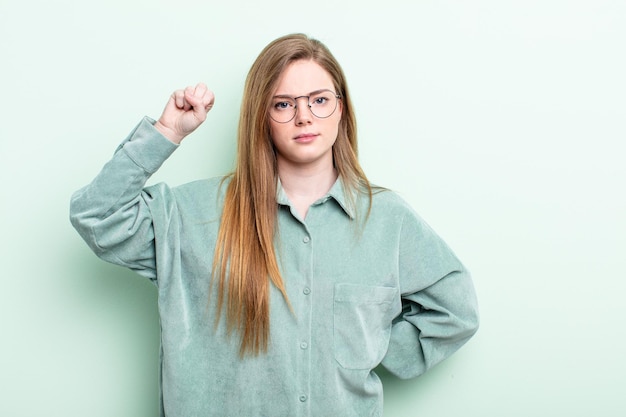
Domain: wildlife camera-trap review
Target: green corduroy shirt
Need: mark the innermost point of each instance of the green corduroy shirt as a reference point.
(365, 290)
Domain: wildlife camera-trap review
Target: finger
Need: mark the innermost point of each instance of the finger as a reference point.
(201, 100)
(194, 95)
(208, 99)
(189, 99)
(200, 90)
(179, 98)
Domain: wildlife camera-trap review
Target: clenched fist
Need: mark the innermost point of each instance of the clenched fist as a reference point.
(185, 111)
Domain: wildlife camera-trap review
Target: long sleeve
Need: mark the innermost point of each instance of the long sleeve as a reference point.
(440, 310)
(112, 213)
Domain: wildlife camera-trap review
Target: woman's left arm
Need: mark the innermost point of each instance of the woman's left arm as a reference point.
(440, 310)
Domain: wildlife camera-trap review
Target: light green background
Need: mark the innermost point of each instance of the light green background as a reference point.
(502, 122)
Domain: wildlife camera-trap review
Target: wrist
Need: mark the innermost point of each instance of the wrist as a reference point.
(169, 133)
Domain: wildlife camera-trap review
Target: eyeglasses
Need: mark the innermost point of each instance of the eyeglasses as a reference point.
(322, 103)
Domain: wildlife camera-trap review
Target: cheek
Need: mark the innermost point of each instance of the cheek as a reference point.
(337, 125)
(277, 136)
(338, 115)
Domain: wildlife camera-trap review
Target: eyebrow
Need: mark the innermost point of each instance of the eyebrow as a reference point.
(310, 94)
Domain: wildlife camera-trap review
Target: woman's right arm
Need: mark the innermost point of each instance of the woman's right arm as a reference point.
(112, 213)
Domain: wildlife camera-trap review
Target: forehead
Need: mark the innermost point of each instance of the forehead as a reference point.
(303, 77)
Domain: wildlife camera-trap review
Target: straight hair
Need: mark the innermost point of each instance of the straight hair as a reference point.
(245, 262)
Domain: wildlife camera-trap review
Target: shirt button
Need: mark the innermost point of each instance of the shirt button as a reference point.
(304, 345)
(306, 291)
(306, 239)
(303, 398)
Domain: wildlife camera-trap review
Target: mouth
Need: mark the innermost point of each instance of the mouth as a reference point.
(306, 136)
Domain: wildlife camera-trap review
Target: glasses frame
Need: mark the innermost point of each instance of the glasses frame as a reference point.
(308, 103)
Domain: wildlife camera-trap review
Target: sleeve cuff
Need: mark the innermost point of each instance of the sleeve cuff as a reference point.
(147, 147)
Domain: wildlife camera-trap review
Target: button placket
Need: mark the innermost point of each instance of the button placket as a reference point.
(305, 331)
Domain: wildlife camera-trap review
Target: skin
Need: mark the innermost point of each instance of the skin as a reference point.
(303, 145)
(184, 112)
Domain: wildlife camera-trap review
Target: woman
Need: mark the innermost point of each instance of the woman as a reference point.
(282, 286)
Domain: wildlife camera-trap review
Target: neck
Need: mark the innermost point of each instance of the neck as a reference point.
(305, 185)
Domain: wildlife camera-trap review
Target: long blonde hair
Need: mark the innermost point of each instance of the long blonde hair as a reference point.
(245, 261)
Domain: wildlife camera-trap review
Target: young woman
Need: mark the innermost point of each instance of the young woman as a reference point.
(283, 285)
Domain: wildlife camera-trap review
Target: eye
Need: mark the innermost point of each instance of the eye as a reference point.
(283, 105)
(319, 100)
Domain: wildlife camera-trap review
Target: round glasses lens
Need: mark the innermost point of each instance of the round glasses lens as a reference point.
(282, 109)
(322, 104)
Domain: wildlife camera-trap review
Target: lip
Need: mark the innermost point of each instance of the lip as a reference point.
(306, 137)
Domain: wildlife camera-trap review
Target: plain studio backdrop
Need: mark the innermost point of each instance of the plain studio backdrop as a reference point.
(502, 123)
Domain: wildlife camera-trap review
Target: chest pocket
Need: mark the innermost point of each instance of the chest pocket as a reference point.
(362, 319)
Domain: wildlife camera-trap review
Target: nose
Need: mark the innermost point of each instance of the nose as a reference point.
(303, 111)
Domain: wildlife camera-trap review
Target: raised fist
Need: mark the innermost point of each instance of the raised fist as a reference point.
(185, 111)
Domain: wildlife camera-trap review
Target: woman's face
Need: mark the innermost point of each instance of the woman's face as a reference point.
(306, 140)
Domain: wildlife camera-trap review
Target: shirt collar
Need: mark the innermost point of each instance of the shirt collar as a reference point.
(337, 192)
